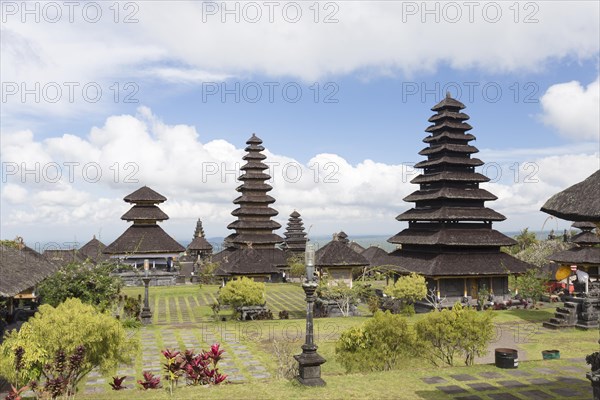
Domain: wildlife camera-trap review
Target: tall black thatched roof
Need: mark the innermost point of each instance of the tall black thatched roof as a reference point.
(21, 269)
(580, 202)
(449, 216)
(254, 225)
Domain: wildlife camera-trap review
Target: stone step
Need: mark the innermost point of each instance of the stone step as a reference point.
(551, 325)
(565, 310)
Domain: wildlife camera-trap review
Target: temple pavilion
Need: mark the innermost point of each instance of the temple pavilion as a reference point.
(144, 239)
(337, 259)
(93, 250)
(251, 250)
(449, 238)
(585, 252)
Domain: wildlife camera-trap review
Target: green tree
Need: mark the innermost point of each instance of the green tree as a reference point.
(206, 272)
(409, 289)
(449, 333)
(533, 284)
(343, 295)
(296, 264)
(538, 252)
(65, 328)
(377, 345)
(524, 240)
(91, 284)
(242, 292)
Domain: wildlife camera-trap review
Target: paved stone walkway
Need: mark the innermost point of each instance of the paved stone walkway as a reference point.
(238, 362)
(566, 382)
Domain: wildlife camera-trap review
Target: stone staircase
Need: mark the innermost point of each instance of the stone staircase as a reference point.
(564, 317)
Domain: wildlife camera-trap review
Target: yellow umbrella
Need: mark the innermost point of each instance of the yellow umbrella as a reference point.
(563, 272)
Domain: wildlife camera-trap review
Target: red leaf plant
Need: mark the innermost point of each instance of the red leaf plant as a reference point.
(198, 368)
(117, 383)
(150, 381)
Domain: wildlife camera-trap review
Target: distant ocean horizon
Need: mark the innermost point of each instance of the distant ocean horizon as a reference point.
(363, 240)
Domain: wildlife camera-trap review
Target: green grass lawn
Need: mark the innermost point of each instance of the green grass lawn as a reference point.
(183, 312)
(381, 385)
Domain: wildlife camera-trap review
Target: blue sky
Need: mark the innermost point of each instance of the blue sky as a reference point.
(377, 71)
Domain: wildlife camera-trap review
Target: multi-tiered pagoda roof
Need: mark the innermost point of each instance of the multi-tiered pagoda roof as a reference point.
(144, 237)
(254, 225)
(199, 242)
(450, 229)
(295, 237)
(585, 251)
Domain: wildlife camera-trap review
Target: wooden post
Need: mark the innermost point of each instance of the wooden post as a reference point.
(438, 287)
(465, 288)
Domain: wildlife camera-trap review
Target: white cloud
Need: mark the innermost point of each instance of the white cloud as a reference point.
(183, 42)
(573, 110)
(199, 179)
(14, 193)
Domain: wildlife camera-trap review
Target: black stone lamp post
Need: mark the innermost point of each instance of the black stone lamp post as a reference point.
(309, 361)
(146, 313)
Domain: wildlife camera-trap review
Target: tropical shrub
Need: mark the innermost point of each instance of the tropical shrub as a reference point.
(377, 345)
(533, 284)
(408, 288)
(242, 292)
(91, 284)
(459, 331)
(296, 264)
(66, 328)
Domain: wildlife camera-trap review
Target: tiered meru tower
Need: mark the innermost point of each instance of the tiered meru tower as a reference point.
(144, 239)
(254, 226)
(199, 248)
(295, 237)
(251, 249)
(450, 239)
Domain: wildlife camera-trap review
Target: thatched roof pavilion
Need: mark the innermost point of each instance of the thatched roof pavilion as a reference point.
(22, 268)
(144, 239)
(93, 250)
(338, 259)
(580, 202)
